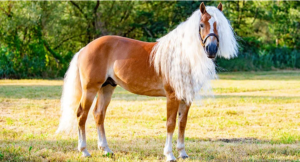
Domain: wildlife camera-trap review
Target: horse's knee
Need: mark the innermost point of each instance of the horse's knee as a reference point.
(171, 125)
(99, 117)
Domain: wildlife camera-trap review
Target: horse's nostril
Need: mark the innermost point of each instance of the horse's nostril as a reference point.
(211, 50)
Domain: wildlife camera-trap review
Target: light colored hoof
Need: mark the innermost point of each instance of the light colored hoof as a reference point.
(182, 154)
(85, 153)
(170, 157)
(183, 157)
(106, 151)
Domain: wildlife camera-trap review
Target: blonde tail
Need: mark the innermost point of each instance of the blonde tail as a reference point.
(70, 97)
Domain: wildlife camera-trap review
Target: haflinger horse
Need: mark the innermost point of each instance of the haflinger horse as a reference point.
(177, 67)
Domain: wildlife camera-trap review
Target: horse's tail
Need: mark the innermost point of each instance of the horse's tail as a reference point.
(70, 97)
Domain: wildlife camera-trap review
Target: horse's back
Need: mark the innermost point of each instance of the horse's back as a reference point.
(126, 61)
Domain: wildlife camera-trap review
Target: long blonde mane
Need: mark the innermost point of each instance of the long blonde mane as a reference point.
(181, 60)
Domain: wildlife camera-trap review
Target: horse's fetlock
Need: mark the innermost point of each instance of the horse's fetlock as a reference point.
(180, 147)
(81, 148)
(167, 151)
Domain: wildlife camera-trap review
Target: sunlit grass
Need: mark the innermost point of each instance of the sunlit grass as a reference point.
(253, 117)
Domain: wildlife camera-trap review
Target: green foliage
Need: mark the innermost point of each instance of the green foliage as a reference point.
(39, 38)
(279, 58)
(269, 33)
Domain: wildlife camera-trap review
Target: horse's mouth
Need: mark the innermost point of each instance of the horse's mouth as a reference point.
(211, 56)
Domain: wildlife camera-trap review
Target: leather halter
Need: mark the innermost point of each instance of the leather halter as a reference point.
(208, 35)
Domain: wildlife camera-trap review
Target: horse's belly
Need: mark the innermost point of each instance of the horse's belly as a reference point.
(137, 77)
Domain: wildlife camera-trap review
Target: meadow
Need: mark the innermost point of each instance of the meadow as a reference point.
(253, 116)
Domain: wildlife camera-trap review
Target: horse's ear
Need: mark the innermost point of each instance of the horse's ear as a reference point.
(202, 8)
(220, 7)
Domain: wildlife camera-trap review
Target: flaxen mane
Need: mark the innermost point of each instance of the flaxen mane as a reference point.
(180, 58)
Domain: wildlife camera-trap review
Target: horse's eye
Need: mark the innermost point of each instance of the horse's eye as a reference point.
(201, 25)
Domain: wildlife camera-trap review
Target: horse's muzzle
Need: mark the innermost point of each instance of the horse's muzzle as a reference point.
(211, 50)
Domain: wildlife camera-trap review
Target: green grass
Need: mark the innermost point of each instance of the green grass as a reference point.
(252, 117)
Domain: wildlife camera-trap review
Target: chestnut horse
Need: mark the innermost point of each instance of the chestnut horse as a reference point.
(177, 66)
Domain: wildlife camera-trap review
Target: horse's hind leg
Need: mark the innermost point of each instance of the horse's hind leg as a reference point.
(104, 97)
(86, 101)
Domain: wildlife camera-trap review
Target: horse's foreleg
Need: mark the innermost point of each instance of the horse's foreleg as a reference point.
(172, 109)
(82, 113)
(182, 117)
(104, 97)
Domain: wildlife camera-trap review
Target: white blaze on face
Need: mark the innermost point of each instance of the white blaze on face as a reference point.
(211, 22)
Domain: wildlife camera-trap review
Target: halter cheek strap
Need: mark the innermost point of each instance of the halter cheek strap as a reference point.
(210, 34)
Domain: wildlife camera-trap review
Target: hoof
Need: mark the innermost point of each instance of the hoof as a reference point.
(170, 157)
(85, 153)
(184, 157)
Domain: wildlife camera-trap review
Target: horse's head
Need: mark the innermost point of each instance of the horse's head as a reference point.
(208, 32)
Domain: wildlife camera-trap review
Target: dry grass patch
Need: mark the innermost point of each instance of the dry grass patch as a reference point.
(253, 117)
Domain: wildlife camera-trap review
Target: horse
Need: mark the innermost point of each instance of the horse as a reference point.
(177, 67)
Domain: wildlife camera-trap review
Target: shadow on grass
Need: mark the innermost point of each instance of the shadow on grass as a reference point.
(147, 148)
(30, 91)
(54, 92)
(255, 97)
(262, 75)
(42, 92)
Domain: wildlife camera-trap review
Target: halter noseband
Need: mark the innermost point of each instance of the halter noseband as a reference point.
(210, 34)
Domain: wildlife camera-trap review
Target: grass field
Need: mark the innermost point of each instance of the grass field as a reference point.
(252, 117)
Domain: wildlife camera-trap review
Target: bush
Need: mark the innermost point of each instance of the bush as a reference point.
(253, 57)
(31, 64)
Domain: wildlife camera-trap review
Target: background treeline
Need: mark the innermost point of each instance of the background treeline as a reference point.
(38, 39)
